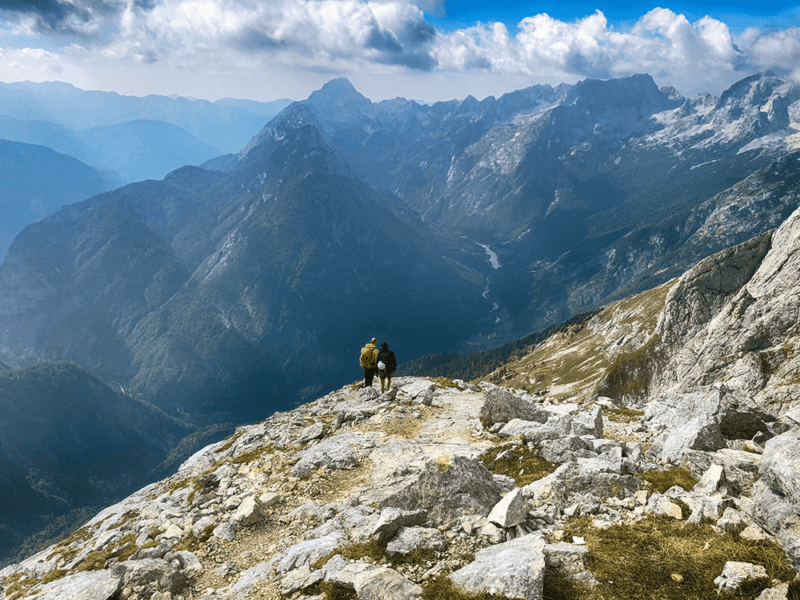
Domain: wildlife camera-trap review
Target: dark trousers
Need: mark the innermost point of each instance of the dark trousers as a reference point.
(369, 374)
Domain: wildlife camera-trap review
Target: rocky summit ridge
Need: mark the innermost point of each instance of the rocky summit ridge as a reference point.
(488, 488)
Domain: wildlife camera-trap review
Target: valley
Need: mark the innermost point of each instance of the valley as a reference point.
(221, 293)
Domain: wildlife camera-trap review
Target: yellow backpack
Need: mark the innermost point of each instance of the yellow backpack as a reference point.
(368, 354)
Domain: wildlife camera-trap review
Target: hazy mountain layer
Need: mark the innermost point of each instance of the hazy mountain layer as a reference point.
(219, 125)
(68, 441)
(213, 293)
(35, 181)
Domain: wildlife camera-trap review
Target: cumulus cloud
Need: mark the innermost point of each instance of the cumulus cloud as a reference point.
(342, 37)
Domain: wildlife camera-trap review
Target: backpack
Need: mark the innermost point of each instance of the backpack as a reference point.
(368, 353)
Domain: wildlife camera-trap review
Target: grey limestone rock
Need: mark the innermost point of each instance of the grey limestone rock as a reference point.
(392, 519)
(510, 511)
(447, 488)
(343, 572)
(241, 590)
(780, 466)
(141, 572)
(409, 539)
(774, 513)
(88, 585)
(305, 553)
(300, 579)
(226, 531)
(513, 569)
(501, 406)
(312, 432)
(734, 574)
(248, 513)
(337, 452)
(381, 583)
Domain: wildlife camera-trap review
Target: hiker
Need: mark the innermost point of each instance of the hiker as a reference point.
(387, 365)
(369, 356)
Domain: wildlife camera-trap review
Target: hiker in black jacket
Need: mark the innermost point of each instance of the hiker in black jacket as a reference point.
(387, 365)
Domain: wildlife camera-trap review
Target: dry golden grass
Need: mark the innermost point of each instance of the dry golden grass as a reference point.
(637, 561)
(526, 466)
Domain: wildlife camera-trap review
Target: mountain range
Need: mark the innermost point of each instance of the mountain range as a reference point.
(224, 292)
(124, 138)
(263, 273)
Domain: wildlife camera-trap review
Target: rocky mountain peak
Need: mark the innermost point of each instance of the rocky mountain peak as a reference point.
(338, 100)
(638, 92)
(286, 126)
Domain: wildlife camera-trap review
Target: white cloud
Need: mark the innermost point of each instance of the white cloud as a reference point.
(305, 42)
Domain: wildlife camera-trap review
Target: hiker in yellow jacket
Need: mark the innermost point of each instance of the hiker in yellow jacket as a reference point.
(369, 358)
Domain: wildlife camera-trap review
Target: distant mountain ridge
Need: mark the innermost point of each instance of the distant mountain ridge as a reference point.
(35, 180)
(220, 125)
(454, 226)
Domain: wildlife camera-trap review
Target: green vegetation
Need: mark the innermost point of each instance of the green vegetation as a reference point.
(622, 414)
(630, 373)
(192, 542)
(124, 549)
(525, 467)
(479, 364)
(442, 588)
(663, 480)
(638, 561)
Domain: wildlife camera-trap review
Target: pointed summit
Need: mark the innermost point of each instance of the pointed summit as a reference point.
(338, 101)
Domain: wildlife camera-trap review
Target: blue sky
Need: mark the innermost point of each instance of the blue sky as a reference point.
(423, 49)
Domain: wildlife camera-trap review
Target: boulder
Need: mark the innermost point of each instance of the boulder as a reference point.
(88, 585)
(381, 583)
(409, 539)
(501, 406)
(447, 488)
(312, 432)
(510, 511)
(337, 452)
(343, 572)
(141, 572)
(248, 513)
(300, 579)
(392, 519)
(734, 574)
(307, 552)
(513, 569)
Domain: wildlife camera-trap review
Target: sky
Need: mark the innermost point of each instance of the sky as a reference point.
(425, 50)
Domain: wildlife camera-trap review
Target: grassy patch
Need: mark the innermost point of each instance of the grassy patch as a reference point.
(663, 480)
(95, 561)
(558, 587)
(252, 455)
(371, 549)
(442, 588)
(637, 561)
(330, 591)
(526, 466)
(17, 585)
(192, 542)
(54, 575)
(630, 372)
(622, 414)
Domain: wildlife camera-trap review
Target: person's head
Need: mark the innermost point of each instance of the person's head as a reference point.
(374, 341)
(384, 346)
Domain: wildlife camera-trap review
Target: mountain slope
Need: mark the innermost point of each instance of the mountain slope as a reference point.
(35, 181)
(218, 293)
(68, 441)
